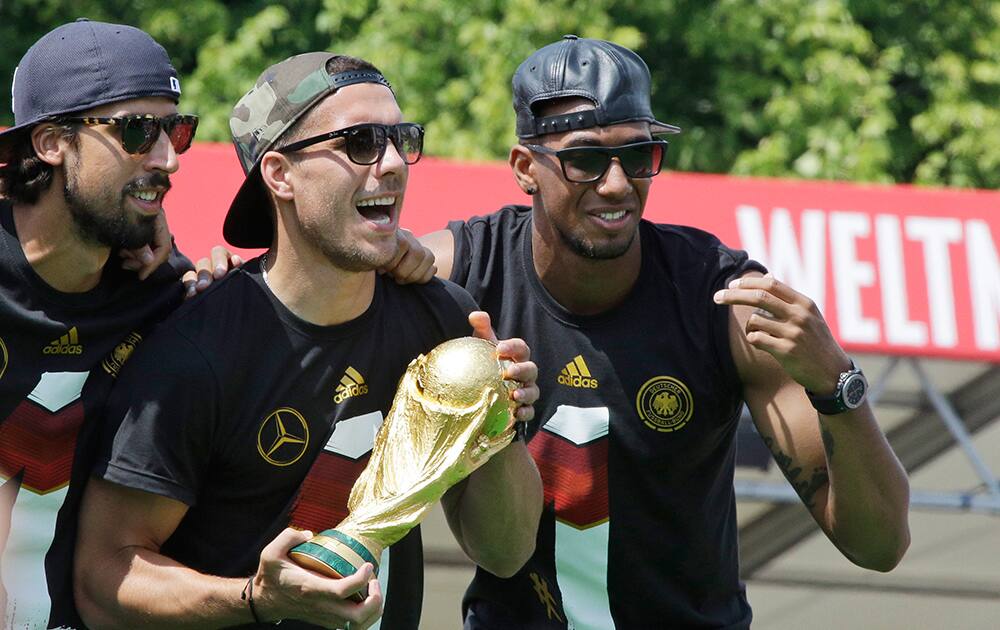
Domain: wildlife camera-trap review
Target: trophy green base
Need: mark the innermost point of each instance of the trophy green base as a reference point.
(336, 555)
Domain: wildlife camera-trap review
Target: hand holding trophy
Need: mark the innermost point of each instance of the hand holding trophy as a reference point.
(452, 411)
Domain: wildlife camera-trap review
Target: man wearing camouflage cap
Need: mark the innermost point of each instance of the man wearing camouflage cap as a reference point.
(254, 408)
(649, 338)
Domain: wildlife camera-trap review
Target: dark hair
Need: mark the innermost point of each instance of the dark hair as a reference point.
(25, 176)
(336, 64)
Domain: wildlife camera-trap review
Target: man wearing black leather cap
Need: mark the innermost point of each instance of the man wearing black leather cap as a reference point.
(649, 338)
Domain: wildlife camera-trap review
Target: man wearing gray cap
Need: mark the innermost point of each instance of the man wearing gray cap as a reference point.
(244, 420)
(83, 174)
(649, 338)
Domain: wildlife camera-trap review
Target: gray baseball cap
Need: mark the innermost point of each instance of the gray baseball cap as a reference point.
(612, 76)
(83, 64)
(281, 96)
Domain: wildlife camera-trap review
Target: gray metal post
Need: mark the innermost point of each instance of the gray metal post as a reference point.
(956, 428)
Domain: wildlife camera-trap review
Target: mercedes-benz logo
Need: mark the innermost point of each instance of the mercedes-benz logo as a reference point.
(283, 437)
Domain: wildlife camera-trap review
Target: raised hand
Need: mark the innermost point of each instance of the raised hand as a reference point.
(521, 369)
(787, 325)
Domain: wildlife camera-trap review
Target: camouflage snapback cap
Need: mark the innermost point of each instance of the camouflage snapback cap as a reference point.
(281, 96)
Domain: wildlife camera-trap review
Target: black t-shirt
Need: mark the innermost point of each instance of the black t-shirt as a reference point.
(633, 436)
(230, 407)
(49, 343)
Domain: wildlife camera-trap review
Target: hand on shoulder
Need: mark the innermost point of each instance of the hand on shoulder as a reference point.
(414, 263)
(207, 270)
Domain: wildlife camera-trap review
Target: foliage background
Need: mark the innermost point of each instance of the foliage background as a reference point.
(866, 90)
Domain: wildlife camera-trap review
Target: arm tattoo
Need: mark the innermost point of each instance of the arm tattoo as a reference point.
(805, 488)
(827, 444)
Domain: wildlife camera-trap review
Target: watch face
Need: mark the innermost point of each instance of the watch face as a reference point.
(854, 391)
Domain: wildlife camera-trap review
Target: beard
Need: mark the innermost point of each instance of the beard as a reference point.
(586, 248)
(346, 254)
(105, 219)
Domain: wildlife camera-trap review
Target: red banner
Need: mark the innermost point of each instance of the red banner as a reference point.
(895, 269)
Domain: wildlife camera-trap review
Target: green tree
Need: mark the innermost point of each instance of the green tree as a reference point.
(888, 91)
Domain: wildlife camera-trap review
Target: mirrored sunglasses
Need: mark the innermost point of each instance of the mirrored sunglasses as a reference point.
(365, 143)
(139, 132)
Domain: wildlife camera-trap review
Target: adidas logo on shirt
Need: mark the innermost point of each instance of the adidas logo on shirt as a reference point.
(351, 384)
(67, 344)
(577, 374)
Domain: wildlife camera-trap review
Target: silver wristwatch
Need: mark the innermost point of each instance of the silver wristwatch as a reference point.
(851, 392)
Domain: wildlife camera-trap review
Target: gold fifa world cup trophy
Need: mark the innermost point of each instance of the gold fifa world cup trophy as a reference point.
(452, 411)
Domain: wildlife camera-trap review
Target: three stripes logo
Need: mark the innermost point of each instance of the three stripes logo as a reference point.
(351, 384)
(67, 344)
(577, 374)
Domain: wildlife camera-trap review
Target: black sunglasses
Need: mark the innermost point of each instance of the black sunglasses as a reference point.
(365, 143)
(589, 164)
(139, 132)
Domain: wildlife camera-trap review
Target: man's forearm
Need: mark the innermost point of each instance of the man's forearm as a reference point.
(869, 493)
(495, 515)
(143, 588)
